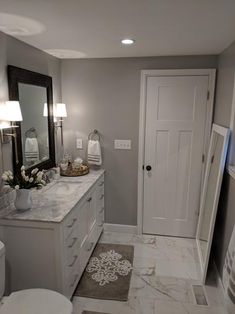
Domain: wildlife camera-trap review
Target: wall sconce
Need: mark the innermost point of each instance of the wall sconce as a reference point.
(60, 113)
(10, 112)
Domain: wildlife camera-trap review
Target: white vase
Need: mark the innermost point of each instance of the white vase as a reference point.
(23, 199)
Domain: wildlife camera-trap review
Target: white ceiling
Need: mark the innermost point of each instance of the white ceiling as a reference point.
(94, 28)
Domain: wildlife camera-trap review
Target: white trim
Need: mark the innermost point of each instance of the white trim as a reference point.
(225, 133)
(120, 228)
(230, 159)
(144, 75)
(231, 171)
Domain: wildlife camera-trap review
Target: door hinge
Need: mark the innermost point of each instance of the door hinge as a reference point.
(212, 159)
(208, 95)
(203, 158)
(143, 167)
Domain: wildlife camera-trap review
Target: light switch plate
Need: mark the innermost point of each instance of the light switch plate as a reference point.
(79, 143)
(122, 144)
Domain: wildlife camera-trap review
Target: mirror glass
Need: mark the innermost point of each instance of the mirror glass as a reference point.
(34, 143)
(34, 127)
(207, 211)
(211, 191)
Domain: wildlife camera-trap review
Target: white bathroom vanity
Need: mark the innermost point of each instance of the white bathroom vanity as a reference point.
(49, 245)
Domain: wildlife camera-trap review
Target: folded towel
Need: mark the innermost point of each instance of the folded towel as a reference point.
(94, 153)
(31, 149)
(229, 275)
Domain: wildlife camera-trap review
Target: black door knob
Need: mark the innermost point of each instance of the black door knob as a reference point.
(148, 168)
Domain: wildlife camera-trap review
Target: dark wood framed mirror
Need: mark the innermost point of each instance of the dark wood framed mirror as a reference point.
(35, 134)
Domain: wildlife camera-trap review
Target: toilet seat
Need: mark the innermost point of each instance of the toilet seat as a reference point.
(36, 301)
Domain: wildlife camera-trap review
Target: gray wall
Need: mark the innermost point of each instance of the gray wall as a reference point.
(226, 210)
(17, 53)
(104, 94)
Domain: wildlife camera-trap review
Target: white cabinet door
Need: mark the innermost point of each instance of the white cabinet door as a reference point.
(176, 112)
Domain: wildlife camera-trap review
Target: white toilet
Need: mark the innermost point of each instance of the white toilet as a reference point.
(31, 301)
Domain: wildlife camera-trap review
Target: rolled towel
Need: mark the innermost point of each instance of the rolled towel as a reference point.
(31, 149)
(94, 153)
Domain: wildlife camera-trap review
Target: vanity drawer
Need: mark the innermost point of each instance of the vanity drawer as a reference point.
(71, 223)
(89, 245)
(77, 237)
(100, 217)
(77, 220)
(100, 185)
(74, 278)
(100, 194)
(79, 261)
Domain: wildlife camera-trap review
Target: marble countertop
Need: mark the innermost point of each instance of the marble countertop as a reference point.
(52, 205)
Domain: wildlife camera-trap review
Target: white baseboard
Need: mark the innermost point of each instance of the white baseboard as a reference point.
(120, 228)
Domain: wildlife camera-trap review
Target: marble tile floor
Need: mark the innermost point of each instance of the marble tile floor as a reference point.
(163, 273)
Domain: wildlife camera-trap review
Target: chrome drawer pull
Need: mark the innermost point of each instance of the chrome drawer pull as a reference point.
(101, 183)
(74, 260)
(73, 242)
(75, 279)
(101, 210)
(102, 196)
(73, 222)
(90, 247)
(89, 199)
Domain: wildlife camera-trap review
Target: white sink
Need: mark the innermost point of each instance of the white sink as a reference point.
(61, 189)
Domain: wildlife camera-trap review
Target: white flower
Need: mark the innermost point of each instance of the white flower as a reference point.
(17, 187)
(43, 182)
(10, 177)
(26, 178)
(5, 177)
(23, 173)
(9, 173)
(34, 171)
(31, 180)
(39, 178)
(22, 168)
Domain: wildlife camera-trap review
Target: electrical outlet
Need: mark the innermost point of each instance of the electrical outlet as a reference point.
(79, 143)
(122, 144)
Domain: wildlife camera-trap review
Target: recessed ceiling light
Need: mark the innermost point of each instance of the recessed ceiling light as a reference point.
(127, 41)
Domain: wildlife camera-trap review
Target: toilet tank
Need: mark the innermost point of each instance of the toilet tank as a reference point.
(2, 269)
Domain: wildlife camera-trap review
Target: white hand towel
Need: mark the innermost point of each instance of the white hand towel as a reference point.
(31, 149)
(94, 153)
(229, 275)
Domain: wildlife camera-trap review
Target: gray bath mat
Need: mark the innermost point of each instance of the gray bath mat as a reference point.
(108, 273)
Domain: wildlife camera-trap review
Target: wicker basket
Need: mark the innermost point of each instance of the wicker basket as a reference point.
(70, 172)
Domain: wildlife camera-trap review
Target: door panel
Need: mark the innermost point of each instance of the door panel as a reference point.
(174, 139)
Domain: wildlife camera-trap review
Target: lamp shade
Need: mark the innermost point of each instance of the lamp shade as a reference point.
(3, 113)
(45, 110)
(13, 111)
(61, 110)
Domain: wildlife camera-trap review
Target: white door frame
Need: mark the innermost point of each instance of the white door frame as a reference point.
(152, 73)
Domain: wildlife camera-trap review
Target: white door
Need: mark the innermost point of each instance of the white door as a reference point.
(176, 112)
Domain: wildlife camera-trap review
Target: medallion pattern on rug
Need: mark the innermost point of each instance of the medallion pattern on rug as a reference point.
(107, 267)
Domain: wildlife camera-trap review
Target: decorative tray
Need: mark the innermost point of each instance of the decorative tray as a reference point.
(74, 172)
